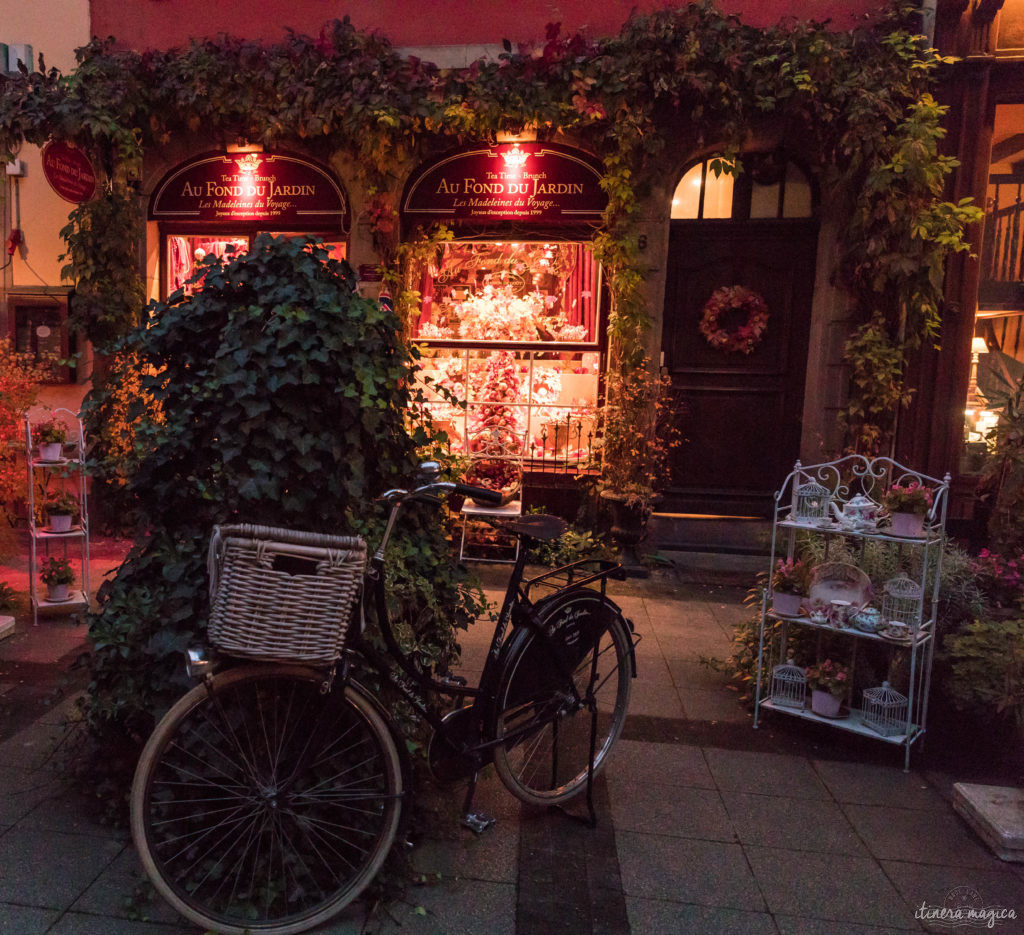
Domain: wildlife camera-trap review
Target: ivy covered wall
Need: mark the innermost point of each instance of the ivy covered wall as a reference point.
(857, 104)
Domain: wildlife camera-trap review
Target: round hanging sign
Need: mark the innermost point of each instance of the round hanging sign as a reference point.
(733, 302)
(68, 171)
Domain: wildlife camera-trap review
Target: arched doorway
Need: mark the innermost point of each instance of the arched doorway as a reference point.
(739, 403)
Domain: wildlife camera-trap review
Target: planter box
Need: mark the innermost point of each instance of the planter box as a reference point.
(996, 813)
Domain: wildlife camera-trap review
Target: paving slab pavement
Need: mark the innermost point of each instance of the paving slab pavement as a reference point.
(704, 826)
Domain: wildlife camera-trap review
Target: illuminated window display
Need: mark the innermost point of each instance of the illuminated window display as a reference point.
(184, 252)
(510, 315)
(218, 202)
(510, 352)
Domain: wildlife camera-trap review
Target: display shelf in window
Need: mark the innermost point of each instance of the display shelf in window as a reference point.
(481, 292)
(892, 626)
(529, 404)
(57, 487)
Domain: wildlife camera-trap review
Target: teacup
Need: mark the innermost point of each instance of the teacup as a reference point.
(839, 613)
(897, 631)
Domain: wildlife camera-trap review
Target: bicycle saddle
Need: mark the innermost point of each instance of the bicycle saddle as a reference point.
(538, 526)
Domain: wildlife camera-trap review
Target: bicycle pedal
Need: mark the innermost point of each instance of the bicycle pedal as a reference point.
(477, 822)
(455, 680)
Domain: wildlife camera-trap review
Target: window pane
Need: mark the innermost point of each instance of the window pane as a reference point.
(764, 200)
(506, 405)
(686, 199)
(798, 194)
(718, 195)
(184, 253)
(512, 292)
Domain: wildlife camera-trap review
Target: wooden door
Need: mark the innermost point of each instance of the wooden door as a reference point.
(740, 414)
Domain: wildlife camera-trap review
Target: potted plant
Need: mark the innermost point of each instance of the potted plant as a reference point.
(638, 437)
(50, 437)
(57, 574)
(790, 582)
(907, 506)
(828, 682)
(62, 510)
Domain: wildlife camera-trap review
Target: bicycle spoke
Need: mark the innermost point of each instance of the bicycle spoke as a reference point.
(253, 818)
(550, 737)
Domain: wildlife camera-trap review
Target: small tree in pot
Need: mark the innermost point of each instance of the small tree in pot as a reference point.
(638, 436)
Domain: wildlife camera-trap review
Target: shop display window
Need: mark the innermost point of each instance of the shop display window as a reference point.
(40, 330)
(186, 251)
(521, 292)
(510, 365)
(513, 405)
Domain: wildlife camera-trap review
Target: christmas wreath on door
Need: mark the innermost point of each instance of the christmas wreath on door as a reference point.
(728, 305)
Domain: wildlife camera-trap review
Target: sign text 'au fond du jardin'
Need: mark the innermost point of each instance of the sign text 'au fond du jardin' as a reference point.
(270, 188)
(529, 182)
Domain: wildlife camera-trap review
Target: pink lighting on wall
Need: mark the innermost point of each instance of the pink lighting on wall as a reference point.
(172, 23)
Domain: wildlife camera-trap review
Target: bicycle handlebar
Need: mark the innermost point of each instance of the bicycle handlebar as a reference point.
(428, 491)
(397, 497)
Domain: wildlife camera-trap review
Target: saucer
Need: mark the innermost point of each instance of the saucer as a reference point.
(903, 636)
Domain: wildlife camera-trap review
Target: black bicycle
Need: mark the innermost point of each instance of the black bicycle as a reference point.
(269, 796)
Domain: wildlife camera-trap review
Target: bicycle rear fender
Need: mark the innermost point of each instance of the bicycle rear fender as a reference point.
(570, 620)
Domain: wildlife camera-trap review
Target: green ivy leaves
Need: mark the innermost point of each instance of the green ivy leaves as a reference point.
(278, 397)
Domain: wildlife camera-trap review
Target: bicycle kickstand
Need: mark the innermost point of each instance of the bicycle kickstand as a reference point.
(476, 821)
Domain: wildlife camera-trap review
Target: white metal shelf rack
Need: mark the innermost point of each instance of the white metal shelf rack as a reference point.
(67, 474)
(839, 482)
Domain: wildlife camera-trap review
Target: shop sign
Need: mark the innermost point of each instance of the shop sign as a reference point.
(68, 171)
(370, 273)
(273, 189)
(525, 182)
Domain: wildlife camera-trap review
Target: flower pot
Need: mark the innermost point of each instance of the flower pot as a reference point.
(629, 521)
(788, 605)
(60, 522)
(910, 525)
(825, 703)
(57, 592)
(51, 451)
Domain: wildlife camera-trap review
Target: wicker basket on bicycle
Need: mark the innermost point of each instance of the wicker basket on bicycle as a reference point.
(280, 595)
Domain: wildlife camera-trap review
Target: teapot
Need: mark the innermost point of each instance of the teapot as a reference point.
(859, 512)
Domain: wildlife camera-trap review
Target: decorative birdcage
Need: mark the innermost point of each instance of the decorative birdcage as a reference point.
(789, 685)
(901, 602)
(812, 503)
(885, 710)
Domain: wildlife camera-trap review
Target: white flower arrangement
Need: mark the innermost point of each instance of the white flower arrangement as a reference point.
(500, 315)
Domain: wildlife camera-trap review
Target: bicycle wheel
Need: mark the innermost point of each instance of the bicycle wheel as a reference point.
(547, 754)
(263, 805)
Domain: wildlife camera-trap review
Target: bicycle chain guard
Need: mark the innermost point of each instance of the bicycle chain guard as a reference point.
(447, 764)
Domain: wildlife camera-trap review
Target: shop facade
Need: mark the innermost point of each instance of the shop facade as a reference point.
(512, 312)
(516, 302)
(215, 203)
